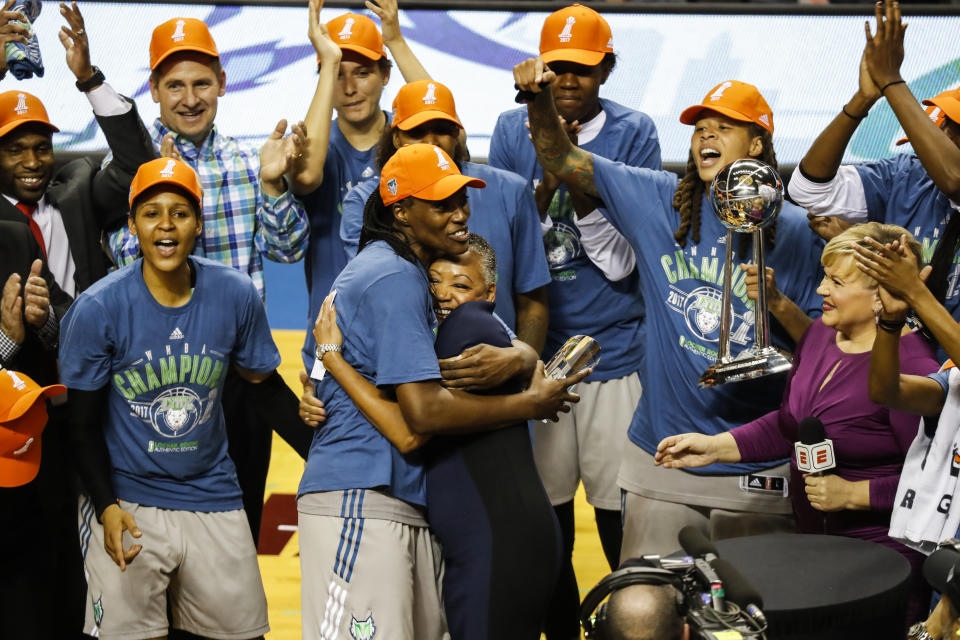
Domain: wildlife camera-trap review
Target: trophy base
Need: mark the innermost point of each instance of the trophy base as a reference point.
(751, 363)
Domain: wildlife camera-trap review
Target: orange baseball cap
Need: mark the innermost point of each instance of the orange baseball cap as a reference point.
(22, 420)
(934, 112)
(421, 101)
(734, 99)
(180, 34)
(355, 32)
(423, 171)
(575, 34)
(18, 108)
(166, 171)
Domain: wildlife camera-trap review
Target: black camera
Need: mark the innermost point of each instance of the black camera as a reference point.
(712, 597)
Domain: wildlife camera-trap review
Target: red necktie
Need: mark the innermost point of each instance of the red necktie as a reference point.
(28, 210)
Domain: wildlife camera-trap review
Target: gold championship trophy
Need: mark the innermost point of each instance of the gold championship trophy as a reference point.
(746, 196)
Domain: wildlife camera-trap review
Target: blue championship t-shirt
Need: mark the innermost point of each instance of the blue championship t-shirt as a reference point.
(581, 299)
(344, 167)
(504, 213)
(385, 313)
(165, 367)
(682, 288)
(900, 191)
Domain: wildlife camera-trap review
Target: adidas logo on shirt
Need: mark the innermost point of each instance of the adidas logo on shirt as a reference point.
(176, 335)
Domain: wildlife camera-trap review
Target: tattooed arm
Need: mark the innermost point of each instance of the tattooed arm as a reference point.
(555, 152)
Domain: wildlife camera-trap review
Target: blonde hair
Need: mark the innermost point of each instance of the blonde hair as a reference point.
(841, 246)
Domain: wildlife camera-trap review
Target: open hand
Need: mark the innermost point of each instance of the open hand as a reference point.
(73, 37)
(389, 15)
(328, 53)
(893, 265)
(883, 53)
(278, 154)
(686, 450)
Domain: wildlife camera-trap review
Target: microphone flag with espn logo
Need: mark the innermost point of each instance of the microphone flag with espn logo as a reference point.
(814, 451)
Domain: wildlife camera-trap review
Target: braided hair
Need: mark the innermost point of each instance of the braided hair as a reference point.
(689, 196)
(378, 225)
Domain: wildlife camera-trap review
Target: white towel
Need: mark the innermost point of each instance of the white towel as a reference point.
(924, 513)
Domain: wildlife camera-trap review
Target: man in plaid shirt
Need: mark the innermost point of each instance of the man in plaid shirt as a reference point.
(247, 208)
(248, 213)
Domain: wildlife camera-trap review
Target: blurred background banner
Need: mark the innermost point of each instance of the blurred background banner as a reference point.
(805, 65)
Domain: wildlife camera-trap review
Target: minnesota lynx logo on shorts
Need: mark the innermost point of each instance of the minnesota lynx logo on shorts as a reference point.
(362, 629)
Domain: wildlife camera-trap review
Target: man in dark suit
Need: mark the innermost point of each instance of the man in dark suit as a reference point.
(66, 210)
(39, 517)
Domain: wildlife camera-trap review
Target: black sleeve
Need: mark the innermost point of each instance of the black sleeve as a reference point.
(277, 405)
(87, 412)
(131, 145)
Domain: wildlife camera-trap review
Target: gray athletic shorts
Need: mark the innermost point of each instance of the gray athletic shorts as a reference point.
(659, 502)
(205, 563)
(586, 443)
(376, 571)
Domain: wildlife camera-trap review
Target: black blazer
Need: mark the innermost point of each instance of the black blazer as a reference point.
(91, 200)
(18, 250)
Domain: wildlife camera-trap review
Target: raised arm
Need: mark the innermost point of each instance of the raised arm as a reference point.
(883, 56)
(823, 158)
(900, 281)
(410, 67)
(307, 174)
(555, 152)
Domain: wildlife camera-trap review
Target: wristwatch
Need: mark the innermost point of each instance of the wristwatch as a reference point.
(92, 82)
(324, 348)
(919, 632)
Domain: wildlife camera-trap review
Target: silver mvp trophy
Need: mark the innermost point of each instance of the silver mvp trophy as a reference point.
(746, 196)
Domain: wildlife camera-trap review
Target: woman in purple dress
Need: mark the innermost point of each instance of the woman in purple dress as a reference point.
(829, 382)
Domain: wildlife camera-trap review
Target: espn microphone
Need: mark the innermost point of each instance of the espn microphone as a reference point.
(814, 451)
(739, 591)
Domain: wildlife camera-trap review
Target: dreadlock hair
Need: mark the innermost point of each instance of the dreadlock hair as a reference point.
(943, 258)
(378, 225)
(386, 149)
(689, 196)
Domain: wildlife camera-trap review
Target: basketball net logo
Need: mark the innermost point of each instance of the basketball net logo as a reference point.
(347, 32)
(21, 107)
(566, 34)
(178, 34)
(431, 96)
(442, 163)
(168, 170)
(716, 95)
